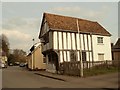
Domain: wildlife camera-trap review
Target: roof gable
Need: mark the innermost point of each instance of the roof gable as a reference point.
(117, 45)
(58, 22)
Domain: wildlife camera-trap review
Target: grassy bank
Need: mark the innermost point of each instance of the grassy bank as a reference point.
(100, 70)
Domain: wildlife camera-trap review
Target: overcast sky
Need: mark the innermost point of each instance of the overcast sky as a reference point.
(21, 20)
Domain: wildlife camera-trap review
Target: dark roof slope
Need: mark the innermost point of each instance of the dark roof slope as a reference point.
(59, 22)
(117, 45)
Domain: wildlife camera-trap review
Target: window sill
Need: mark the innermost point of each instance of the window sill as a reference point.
(100, 44)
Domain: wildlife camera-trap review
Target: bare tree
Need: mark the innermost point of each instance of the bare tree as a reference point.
(19, 55)
(4, 44)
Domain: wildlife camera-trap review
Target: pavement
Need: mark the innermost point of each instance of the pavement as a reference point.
(106, 80)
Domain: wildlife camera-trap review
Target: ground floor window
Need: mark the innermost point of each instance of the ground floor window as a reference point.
(73, 55)
(83, 56)
(100, 56)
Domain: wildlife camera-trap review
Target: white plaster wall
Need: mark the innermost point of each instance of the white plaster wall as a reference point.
(55, 40)
(73, 41)
(64, 41)
(87, 56)
(60, 40)
(78, 41)
(69, 44)
(68, 56)
(101, 48)
(78, 54)
(90, 56)
(65, 57)
(89, 42)
(85, 38)
(69, 41)
(61, 56)
(81, 36)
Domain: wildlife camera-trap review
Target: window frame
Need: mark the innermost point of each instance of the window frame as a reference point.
(101, 54)
(73, 56)
(100, 40)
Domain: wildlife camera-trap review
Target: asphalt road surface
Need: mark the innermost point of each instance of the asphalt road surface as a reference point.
(18, 77)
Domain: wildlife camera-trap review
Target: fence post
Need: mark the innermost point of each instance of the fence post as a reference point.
(107, 64)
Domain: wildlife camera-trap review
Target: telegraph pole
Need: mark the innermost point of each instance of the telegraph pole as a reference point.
(81, 63)
(33, 55)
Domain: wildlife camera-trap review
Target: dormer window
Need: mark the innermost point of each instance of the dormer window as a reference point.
(100, 40)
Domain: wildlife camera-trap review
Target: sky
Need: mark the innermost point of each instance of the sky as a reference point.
(21, 20)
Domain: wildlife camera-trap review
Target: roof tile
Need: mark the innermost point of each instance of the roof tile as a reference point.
(59, 22)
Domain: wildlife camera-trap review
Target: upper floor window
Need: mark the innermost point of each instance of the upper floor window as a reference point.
(100, 39)
(45, 38)
(83, 56)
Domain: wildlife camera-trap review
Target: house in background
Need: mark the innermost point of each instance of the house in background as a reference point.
(3, 59)
(116, 50)
(35, 58)
(68, 39)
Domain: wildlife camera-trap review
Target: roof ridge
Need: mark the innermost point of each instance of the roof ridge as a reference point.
(70, 17)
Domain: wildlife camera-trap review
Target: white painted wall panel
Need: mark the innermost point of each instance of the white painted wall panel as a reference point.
(81, 36)
(73, 41)
(69, 41)
(64, 41)
(102, 48)
(61, 56)
(85, 38)
(68, 55)
(89, 42)
(55, 40)
(60, 40)
(65, 57)
(78, 41)
(87, 56)
(90, 56)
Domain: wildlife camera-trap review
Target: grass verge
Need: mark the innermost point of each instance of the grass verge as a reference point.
(100, 70)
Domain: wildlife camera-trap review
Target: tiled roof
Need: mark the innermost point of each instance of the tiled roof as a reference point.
(58, 22)
(117, 45)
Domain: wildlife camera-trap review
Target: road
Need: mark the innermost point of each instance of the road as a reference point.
(18, 77)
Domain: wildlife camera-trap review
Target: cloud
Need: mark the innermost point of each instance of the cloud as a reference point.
(67, 9)
(21, 31)
(15, 34)
(17, 39)
(20, 23)
(83, 12)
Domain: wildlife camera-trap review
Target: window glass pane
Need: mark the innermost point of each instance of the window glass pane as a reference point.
(100, 39)
(100, 57)
(73, 55)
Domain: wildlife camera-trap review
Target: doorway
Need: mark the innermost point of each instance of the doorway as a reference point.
(53, 59)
